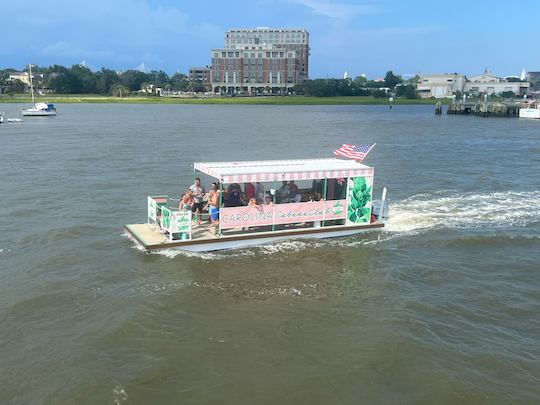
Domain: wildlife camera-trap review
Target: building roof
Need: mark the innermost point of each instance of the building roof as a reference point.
(279, 170)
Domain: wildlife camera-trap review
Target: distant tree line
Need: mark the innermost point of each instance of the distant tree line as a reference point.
(81, 80)
(361, 86)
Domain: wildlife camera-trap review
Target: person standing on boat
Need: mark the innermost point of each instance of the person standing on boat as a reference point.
(198, 194)
(213, 204)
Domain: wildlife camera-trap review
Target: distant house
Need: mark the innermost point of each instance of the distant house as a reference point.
(487, 83)
(440, 85)
(148, 88)
(21, 76)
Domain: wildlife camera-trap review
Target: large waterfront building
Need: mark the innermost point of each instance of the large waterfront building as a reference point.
(446, 85)
(487, 83)
(440, 85)
(261, 60)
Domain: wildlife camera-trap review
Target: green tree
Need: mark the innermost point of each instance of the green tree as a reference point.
(105, 80)
(406, 90)
(508, 94)
(83, 78)
(360, 81)
(133, 79)
(158, 78)
(119, 90)
(16, 86)
(179, 82)
(390, 80)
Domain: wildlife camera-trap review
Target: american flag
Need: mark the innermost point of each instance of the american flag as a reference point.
(356, 152)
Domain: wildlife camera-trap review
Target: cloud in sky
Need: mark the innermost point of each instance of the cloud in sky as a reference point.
(117, 34)
(340, 11)
(359, 36)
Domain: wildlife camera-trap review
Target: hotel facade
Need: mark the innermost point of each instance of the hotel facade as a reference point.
(262, 60)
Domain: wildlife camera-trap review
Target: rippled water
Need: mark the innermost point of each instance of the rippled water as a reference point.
(442, 307)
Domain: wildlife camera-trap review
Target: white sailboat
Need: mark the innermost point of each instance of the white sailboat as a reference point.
(38, 109)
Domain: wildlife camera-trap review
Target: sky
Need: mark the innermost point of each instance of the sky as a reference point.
(360, 37)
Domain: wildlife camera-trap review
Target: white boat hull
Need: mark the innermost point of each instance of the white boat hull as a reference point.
(150, 239)
(529, 113)
(37, 113)
(238, 244)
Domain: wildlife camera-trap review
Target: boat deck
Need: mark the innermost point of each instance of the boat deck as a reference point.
(151, 238)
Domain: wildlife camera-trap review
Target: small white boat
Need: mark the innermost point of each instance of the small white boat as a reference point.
(343, 206)
(38, 109)
(532, 110)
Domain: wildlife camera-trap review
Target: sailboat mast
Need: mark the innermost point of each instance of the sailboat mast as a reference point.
(32, 86)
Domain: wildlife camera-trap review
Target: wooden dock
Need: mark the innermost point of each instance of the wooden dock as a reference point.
(486, 108)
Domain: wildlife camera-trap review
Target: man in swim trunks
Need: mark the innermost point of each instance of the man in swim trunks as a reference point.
(213, 204)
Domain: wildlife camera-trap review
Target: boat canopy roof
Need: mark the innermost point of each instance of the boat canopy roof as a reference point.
(279, 170)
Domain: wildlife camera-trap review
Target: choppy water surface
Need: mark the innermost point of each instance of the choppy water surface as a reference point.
(442, 307)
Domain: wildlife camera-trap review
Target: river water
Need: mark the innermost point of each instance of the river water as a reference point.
(442, 307)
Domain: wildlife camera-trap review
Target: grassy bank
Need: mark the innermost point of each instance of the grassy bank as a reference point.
(274, 100)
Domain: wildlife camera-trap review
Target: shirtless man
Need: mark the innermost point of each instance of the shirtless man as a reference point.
(213, 204)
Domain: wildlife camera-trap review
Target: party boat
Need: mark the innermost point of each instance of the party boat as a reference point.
(291, 199)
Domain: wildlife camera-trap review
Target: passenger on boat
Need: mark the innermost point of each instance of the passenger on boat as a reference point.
(284, 192)
(234, 196)
(294, 196)
(259, 192)
(186, 202)
(213, 204)
(252, 202)
(249, 191)
(268, 200)
(198, 193)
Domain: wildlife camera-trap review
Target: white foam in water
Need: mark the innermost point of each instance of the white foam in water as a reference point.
(450, 209)
(136, 245)
(119, 395)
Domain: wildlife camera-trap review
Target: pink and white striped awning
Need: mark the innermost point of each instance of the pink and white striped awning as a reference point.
(279, 170)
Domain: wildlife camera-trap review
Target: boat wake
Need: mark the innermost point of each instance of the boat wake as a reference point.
(449, 209)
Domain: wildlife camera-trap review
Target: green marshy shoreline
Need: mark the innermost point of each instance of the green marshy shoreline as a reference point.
(270, 100)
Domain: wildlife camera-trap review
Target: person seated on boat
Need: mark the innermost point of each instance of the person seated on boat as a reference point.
(198, 193)
(253, 202)
(249, 191)
(294, 196)
(186, 202)
(284, 192)
(268, 200)
(234, 196)
(259, 192)
(213, 204)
